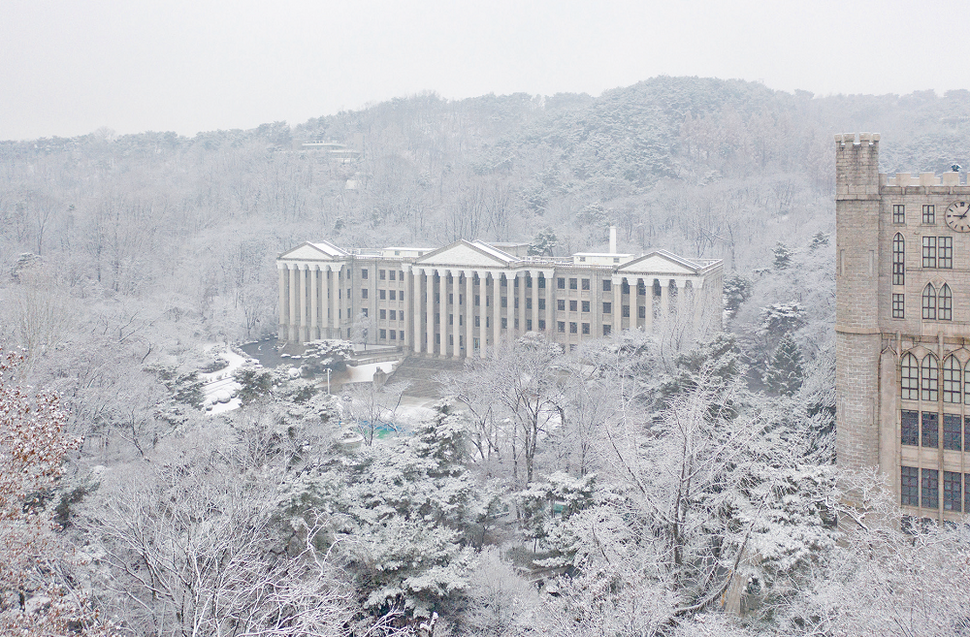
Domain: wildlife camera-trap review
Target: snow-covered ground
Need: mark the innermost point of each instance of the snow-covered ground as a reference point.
(219, 387)
(365, 373)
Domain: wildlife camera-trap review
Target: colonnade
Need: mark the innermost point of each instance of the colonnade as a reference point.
(441, 304)
(312, 304)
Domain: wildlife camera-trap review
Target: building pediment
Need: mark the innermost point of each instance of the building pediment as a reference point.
(316, 251)
(466, 254)
(659, 262)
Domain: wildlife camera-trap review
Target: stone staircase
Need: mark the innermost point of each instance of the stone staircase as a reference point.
(420, 372)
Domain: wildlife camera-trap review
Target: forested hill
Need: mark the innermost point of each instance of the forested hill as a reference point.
(702, 167)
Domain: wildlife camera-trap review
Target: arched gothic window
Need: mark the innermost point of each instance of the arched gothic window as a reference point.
(929, 378)
(945, 304)
(952, 380)
(929, 302)
(899, 260)
(909, 378)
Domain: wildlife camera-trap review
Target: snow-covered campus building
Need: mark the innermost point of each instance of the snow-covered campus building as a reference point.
(903, 328)
(464, 298)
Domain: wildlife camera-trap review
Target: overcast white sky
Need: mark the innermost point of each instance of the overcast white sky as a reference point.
(69, 67)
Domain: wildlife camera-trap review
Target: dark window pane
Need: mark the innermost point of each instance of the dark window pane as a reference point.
(930, 432)
(931, 489)
(951, 432)
(909, 486)
(909, 427)
(952, 490)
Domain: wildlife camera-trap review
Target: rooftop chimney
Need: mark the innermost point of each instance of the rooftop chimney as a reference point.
(612, 239)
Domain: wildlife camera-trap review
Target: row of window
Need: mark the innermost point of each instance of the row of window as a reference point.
(937, 254)
(920, 380)
(937, 305)
(394, 334)
(921, 487)
(923, 430)
(928, 217)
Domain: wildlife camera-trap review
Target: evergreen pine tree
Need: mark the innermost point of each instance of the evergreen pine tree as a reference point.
(784, 374)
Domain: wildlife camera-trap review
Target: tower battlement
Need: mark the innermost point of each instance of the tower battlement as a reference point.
(856, 166)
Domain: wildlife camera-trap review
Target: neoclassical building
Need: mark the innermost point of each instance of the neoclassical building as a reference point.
(464, 298)
(903, 329)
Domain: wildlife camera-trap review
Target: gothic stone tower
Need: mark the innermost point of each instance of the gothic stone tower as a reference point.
(903, 329)
(857, 333)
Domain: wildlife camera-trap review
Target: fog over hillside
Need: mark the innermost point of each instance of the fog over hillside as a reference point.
(125, 258)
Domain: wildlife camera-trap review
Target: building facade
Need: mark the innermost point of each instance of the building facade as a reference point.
(465, 298)
(903, 329)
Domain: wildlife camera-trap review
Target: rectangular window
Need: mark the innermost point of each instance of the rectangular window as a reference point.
(393, 295)
(642, 311)
(572, 328)
(400, 275)
(642, 288)
(382, 314)
(585, 284)
(951, 432)
(505, 324)
(528, 303)
(930, 430)
(382, 334)
(929, 214)
(909, 427)
(392, 314)
(944, 252)
(528, 325)
(451, 319)
(504, 302)
(625, 288)
(382, 294)
(585, 328)
(363, 311)
(607, 308)
(931, 489)
(542, 283)
(899, 213)
(478, 321)
(561, 305)
(516, 323)
(451, 299)
(952, 491)
(561, 327)
(573, 283)
(542, 325)
(561, 283)
(899, 306)
(542, 304)
(607, 328)
(363, 293)
(393, 274)
(585, 306)
(607, 285)
(393, 332)
(528, 282)
(573, 306)
(401, 334)
(478, 299)
(909, 486)
(929, 252)
(382, 274)
(625, 311)
(504, 283)
(363, 273)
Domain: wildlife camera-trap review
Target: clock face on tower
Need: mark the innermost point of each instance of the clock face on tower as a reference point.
(957, 217)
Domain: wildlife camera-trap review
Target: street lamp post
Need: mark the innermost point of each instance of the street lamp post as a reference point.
(328, 381)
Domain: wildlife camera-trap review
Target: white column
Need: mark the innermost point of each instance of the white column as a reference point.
(648, 302)
(455, 312)
(534, 277)
(618, 304)
(496, 311)
(443, 311)
(407, 304)
(664, 302)
(482, 311)
(469, 313)
(281, 327)
(334, 323)
(417, 274)
(510, 309)
(314, 305)
(294, 304)
(429, 311)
